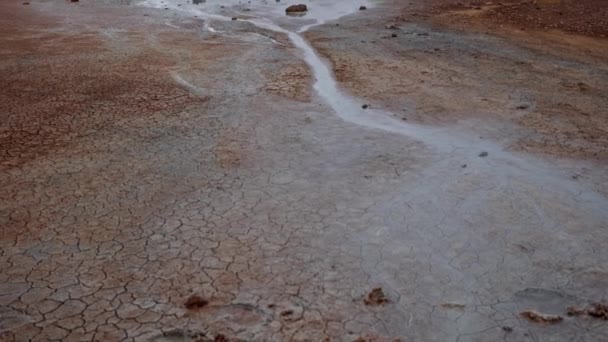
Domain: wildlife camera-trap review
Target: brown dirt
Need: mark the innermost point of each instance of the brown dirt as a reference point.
(549, 84)
(293, 82)
(220, 338)
(537, 317)
(287, 313)
(376, 297)
(195, 302)
(598, 310)
(574, 311)
(589, 17)
(453, 306)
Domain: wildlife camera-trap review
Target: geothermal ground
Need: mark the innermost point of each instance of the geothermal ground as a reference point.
(219, 171)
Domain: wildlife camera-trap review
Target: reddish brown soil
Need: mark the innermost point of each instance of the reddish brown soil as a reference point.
(588, 17)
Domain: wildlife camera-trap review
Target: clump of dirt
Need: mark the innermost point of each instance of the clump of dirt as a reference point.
(376, 339)
(538, 317)
(287, 313)
(195, 302)
(574, 311)
(376, 297)
(179, 335)
(220, 338)
(453, 306)
(598, 310)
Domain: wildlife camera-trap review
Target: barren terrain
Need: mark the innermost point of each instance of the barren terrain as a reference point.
(411, 171)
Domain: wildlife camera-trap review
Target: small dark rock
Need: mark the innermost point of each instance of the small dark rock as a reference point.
(376, 297)
(234, 18)
(598, 310)
(507, 329)
(296, 8)
(365, 106)
(522, 107)
(464, 166)
(582, 86)
(394, 35)
(195, 302)
(220, 338)
(483, 154)
(362, 8)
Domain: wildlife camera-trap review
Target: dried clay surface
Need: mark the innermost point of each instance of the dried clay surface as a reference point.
(168, 173)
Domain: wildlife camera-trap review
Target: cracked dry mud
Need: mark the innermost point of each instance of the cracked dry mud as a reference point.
(169, 177)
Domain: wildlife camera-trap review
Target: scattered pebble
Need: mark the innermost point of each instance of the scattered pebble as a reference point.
(362, 8)
(365, 106)
(483, 154)
(296, 8)
(376, 297)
